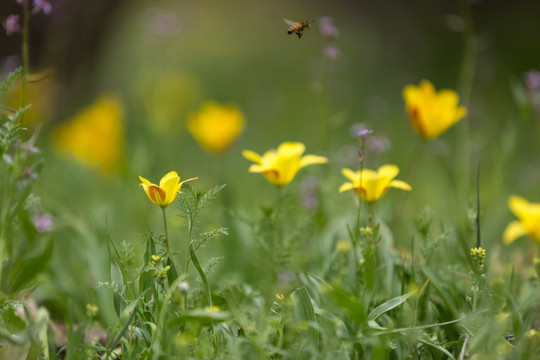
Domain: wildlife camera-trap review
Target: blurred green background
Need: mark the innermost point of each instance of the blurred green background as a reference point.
(164, 59)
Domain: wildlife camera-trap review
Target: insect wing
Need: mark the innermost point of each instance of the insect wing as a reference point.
(289, 22)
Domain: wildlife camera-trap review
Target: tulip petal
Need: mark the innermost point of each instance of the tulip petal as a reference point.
(388, 171)
(518, 205)
(257, 168)
(156, 195)
(252, 155)
(312, 159)
(350, 174)
(182, 182)
(291, 149)
(346, 186)
(513, 231)
(400, 185)
(144, 181)
(171, 176)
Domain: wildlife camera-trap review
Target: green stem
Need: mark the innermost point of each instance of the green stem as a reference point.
(465, 84)
(279, 228)
(204, 280)
(166, 232)
(200, 270)
(25, 54)
(190, 230)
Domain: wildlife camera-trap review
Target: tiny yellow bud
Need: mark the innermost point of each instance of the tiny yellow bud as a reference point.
(91, 310)
(343, 246)
(211, 309)
(478, 252)
(366, 230)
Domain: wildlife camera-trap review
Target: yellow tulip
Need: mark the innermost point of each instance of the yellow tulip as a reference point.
(164, 193)
(372, 185)
(215, 126)
(528, 222)
(95, 136)
(280, 167)
(431, 113)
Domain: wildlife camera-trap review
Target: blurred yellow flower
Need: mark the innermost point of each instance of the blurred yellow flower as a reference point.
(215, 126)
(280, 167)
(41, 92)
(528, 223)
(95, 135)
(164, 193)
(372, 185)
(431, 113)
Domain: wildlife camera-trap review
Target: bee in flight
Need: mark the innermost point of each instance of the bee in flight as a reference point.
(298, 26)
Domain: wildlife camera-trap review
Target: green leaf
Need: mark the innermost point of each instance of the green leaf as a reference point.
(438, 347)
(197, 264)
(387, 306)
(128, 312)
(4, 86)
(24, 272)
(422, 300)
(303, 310)
(356, 310)
(116, 278)
(146, 279)
(201, 316)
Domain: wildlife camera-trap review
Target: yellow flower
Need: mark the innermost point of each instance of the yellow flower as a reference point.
(215, 126)
(478, 252)
(166, 192)
(95, 136)
(528, 223)
(212, 309)
(431, 113)
(280, 167)
(372, 185)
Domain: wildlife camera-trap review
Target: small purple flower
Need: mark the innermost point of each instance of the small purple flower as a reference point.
(331, 52)
(43, 223)
(327, 27)
(532, 80)
(364, 132)
(12, 25)
(360, 130)
(42, 5)
(8, 159)
(379, 144)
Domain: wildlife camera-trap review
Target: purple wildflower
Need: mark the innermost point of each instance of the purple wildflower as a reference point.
(12, 25)
(42, 5)
(8, 159)
(327, 27)
(532, 80)
(43, 223)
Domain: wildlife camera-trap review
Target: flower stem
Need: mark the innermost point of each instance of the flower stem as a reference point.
(166, 232)
(190, 228)
(279, 228)
(25, 54)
